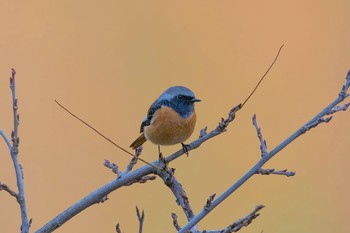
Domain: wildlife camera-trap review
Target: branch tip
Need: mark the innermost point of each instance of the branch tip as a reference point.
(117, 228)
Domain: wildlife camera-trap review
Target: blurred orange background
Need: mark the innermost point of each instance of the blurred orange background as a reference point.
(108, 60)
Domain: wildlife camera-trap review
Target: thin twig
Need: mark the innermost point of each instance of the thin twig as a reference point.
(113, 167)
(236, 226)
(175, 222)
(14, 155)
(263, 146)
(209, 201)
(339, 108)
(8, 142)
(9, 190)
(178, 191)
(262, 78)
(133, 161)
(102, 135)
(141, 180)
(141, 218)
(270, 171)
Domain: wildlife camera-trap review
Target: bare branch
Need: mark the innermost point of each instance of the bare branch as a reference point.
(263, 146)
(203, 132)
(14, 155)
(264, 75)
(339, 108)
(113, 167)
(315, 123)
(142, 180)
(310, 124)
(236, 226)
(8, 142)
(102, 135)
(181, 198)
(175, 223)
(133, 161)
(9, 190)
(141, 218)
(284, 172)
(209, 201)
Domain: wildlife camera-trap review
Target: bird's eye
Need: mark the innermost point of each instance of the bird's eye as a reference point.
(180, 97)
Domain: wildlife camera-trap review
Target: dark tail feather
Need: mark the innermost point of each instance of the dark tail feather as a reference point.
(138, 142)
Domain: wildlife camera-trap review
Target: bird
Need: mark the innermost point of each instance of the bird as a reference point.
(170, 120)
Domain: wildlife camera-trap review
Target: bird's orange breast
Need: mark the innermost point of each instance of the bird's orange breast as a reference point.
(169, 128)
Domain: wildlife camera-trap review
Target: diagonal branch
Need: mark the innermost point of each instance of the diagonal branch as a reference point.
(179, 192)
(263, 146)
(8, 142)
(129, 178)
(341, 97)
(6, 188)
(239, 224)
(243, 222)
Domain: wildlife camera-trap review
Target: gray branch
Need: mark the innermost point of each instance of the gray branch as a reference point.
(98, 195)
(13, 148)
(255, 169)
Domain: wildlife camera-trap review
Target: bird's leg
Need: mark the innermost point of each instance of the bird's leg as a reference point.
(159, 153)
(185, 148)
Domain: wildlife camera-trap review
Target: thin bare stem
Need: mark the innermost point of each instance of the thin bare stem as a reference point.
(102, 135)
(178, 191)
(141, 218)
(14, 155)
(113, 167)
(262, 78)
(236, 226)
(9, 190)
(270, 171)
(133, 161)
(263, 146)
(8, 142)
(175, 222)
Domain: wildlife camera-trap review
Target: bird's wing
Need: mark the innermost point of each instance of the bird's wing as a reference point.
(148, 119)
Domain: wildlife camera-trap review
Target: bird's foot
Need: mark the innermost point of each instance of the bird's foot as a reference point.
(185, 148)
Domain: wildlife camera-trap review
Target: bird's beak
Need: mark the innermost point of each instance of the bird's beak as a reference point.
(196, 100)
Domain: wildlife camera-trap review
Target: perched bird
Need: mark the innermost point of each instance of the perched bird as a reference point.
(170, 119)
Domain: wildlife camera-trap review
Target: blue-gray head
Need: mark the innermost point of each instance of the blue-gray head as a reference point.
(180, 98)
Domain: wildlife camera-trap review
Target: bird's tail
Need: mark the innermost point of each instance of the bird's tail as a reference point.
(138, 142)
